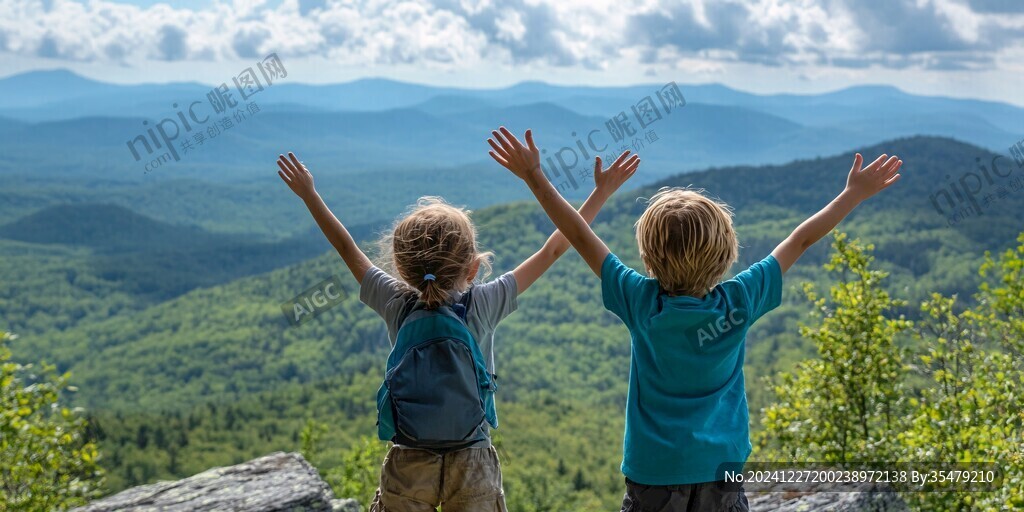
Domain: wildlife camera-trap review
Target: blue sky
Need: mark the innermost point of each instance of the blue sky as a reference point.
(966, 48)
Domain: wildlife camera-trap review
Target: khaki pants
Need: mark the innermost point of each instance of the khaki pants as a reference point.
(467, 480)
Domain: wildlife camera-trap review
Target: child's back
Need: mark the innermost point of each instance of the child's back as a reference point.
(421, 475)
(686, 413)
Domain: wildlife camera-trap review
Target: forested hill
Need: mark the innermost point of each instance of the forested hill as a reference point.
(935, 171)
(103, 227)
(221, 368)
(226, 339)
(927, 247)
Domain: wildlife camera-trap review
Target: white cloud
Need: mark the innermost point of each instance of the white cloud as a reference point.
(510, 26)
(454, 34)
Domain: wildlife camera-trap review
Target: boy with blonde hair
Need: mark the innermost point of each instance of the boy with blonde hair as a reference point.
(686, 409)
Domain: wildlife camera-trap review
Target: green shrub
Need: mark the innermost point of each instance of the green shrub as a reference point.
(47, 461)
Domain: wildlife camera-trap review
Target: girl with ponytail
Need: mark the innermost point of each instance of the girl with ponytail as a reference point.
(429, 260)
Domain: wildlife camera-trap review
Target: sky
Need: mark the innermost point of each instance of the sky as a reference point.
(962, 48)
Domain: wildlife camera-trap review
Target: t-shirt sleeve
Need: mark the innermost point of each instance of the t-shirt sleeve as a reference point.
(761, 286)
(385, 295)
(621, 287)
(493, 301)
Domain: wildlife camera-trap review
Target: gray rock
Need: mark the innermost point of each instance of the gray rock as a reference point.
(285, 482)
(279, 482)
(348, 505)
(868, 499)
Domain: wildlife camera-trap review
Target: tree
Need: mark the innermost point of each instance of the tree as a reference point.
(972, 410)
(845, 405)
(964, 385)
(358, 476)
(47, 461)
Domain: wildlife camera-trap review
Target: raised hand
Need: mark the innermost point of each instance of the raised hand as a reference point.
(298, 178)
(861, 184)
(879, 175)
(523, 161)
(609, 180)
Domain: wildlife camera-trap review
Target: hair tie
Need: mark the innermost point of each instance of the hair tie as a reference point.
(429, 277)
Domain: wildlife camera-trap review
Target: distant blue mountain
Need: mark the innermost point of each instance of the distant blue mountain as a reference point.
(41, 87)
(61, 94)
(56, 123)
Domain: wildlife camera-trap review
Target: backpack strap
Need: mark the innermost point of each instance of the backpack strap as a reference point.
(461, 307)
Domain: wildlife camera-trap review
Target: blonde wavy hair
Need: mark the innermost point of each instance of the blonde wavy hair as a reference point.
(435, 238)
(686, 240)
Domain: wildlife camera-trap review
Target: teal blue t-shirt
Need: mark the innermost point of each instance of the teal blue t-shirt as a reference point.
(686, 411)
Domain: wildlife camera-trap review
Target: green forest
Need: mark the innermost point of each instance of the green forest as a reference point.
(179, 358)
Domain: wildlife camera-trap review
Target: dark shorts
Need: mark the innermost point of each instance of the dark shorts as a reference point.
(702, 497)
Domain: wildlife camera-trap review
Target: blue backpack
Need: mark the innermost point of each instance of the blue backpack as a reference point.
(437, 392)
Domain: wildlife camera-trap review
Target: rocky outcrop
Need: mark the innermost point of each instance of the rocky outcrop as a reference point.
(285, 482)
(868, 499)
(279, 482)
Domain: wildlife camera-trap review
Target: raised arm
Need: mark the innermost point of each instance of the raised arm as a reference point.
(606, 182)
(861, 184)
(524, 162)
(300, 180)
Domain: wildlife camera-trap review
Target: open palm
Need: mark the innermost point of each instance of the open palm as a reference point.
(522, 160)
(298, 178)
(877, 176)
(609, 180)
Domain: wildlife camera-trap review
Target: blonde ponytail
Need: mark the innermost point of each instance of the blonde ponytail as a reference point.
(433, 250)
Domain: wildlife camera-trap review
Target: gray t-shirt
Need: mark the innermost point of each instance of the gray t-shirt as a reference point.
(493, 301)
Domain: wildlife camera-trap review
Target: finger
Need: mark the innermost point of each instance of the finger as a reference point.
(497, 148)
(284, 168)
(298, 164)
(506, 145)
(511, 138)
(892, 170)
(884, 168)
(888, 183)
(857, 162)
(289, 165)
(500, 160)
(597, 166)
(878, 161)
(529, 140)
(283, 162)
(631, 167)
(634, 160)
(621, 158)
(284, 177)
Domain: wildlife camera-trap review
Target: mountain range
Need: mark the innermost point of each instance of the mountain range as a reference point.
(59, 123)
